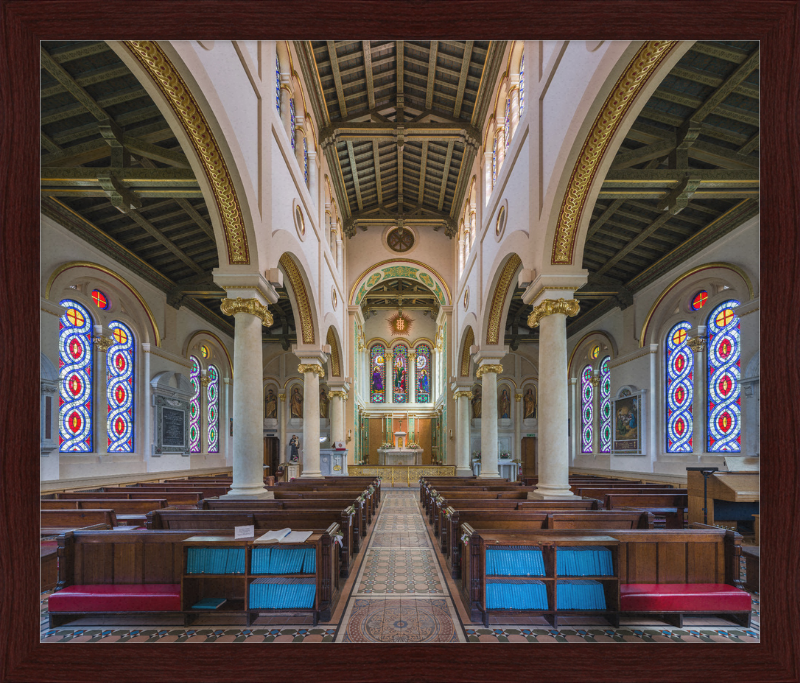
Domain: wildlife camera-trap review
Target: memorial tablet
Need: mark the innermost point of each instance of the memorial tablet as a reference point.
(172, 424)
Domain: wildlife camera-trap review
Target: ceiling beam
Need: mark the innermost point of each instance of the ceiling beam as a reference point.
(368, 73)
(635, 242)
(462, 79)
(154, 232)
(446, 173)
(128, 174)
(716, 98)
(376, 160)
(655, 150)
(431, 73)
(603, 217)
(661, 175)
(422, 170)
(751, 144)
(704, 77)
(354, 170)
(337, 78)
(62, 76)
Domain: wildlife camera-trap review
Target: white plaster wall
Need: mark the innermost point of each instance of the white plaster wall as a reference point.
(378, 326)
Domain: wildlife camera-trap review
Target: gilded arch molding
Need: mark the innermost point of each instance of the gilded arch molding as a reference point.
(469, 340)
(301, 297)
(617, 104)
(166, 77)
(406, 268)
(336, 365)
(500, 292)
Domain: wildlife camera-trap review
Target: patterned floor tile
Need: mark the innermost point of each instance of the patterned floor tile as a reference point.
(410, 571)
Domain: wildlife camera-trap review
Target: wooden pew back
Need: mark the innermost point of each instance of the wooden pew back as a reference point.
(183, 498)
(120, 507)
(72, 519)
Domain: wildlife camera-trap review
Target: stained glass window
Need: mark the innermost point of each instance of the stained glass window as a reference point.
(291, 121)
(522, 85)
(724, 372)
(120, 389)
(204, 351)
(75, 374)
(278, 85)
(680, 390)
(605, 405)
(400, 368)
(100, 299)
(423, 373)
(194, 407)
(587, 412)
(305, 161)
(378, 370)
(699, 300)
(595, 352)
(494, 161)
(507, 127)
(212, 392)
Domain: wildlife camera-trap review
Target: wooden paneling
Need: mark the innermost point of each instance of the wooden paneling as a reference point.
(95, 563)
(529, 456)
(423, 427)
(642, 563)
(375, 439)
(127, 562)
(671, 563)
(702, 564)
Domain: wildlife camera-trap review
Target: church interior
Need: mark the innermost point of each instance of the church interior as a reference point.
(400, 341)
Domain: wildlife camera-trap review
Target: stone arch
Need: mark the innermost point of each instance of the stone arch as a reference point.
(583, 343)
(464, 356)
(303, 305)
(205, 139)
(405, 268)
(196, 337)
(335, 368)
(145, 323)
(496, 308)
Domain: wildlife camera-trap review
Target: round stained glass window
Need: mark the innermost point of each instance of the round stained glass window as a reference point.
(100, 299)
(595, 352)
(678, 336)
(400, 240)
(120, 335)
(699, 300)
(204, 351)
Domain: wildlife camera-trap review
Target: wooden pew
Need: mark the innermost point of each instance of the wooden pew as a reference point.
(190, 498)
(262, 520)
(127, 511)
(669, 507)
(57, 521)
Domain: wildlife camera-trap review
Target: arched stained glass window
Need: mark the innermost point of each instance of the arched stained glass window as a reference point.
(724, 373)
(378, 373)
(120, 389)
(212, 392)
(194, 407)
(507, 127)
(305, 161)
(680, 389)
(291, 121)
(75, 375)
(587, 412)
(278, 85)
(494, 161)
(400, 368)
(423, 373)
(522, 85)
(605, 405)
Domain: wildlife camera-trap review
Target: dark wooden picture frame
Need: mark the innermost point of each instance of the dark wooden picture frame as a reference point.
(24, 23)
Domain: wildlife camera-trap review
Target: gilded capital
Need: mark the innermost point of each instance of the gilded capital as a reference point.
(251, 306)
(204, 381)
(567, 307)
(282, 397)
(311, 367)
(412, 354)
(697, 344)
(461, 392)
(103, 343)
(483, 369)
(595, 381)
(517, 397)
(338, 394)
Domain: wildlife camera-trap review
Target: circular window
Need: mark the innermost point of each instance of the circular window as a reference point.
(100, 299)
(120, 336)
(400, 240)
(678, 337)
(500, 225)
(595, 352)
(699, 300)
(466, 298)
(334, 297)
(299, 221)
(204, 352)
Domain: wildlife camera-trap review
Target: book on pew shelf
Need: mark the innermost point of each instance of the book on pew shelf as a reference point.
(273, 536)
(295, 537)
(209, 603)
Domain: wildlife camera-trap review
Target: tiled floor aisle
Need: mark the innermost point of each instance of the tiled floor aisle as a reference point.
(400, 595)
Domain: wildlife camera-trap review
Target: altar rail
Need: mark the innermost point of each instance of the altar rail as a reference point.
(401, 473)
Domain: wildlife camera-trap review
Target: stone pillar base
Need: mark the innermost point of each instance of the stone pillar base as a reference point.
(464, 472)
(550, 494)
(249, 494)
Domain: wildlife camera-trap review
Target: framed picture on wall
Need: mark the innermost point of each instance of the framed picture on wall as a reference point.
(628, 421)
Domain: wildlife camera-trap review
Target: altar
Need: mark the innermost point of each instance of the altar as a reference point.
(400, 453)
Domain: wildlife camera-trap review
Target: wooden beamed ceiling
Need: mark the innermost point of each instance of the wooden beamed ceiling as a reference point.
(400, 124)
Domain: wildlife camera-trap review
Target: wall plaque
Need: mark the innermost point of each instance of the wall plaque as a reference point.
(173, 427)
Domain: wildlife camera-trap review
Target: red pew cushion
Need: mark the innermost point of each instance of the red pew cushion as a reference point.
(682, 597)
(151, 597)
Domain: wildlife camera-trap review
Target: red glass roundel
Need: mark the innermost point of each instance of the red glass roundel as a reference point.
(75, 385)
(100, 299)
(75, 349)
(119, 394)
(699, 300)
(75, 421)
(680, 363)
(724, 422)
(725, 349)
(120, 362)
(119, 425)
(680, 395)
(725, 385)
(680, 426)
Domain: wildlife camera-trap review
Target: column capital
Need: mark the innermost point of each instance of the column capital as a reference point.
(412, 353)
(338, 394)
(462, 392)
(517, 397)
(697, 344)
(483, 369)
(282, 397)
(103, 344)
(311, 367)
(388, 355)
(252, 306)
(568, 307)
(204, 381)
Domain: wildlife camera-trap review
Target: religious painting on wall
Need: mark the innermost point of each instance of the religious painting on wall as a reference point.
(296, 403)
(528, 404)
(378, 382)
(271, 405)
(626, 423)
(477, 402)
(423, 374)
(400, 367)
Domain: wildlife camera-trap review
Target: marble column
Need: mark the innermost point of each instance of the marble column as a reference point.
(282, 427)
(337, 398)
(412, 376)
(551, 316)
(299, 136)
(311, 371)
(312, 176)
(517, 450)
(698, 346)
(250, 315)
(102, 345)
(488, 376)
(462, 398)
(501, 143)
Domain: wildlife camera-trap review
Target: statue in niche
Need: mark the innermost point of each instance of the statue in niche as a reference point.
(529, 404)
(476, 403)
(294, 455)
(323, 404)
(504, 405)
(296, 403)
(271, 408)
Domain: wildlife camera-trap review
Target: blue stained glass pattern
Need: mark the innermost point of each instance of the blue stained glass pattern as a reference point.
(212, 392)
(194, 407)
(75, 373)
(291, 121)
(400, 367)
(680, 389)
(378, 369)
(305, 161)
(120, 389)
(507, 126)
(605, 405)
(278, 85)
(522, 85)
(423, 374)
(494, 161)
(587, 409)
(724, 372)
